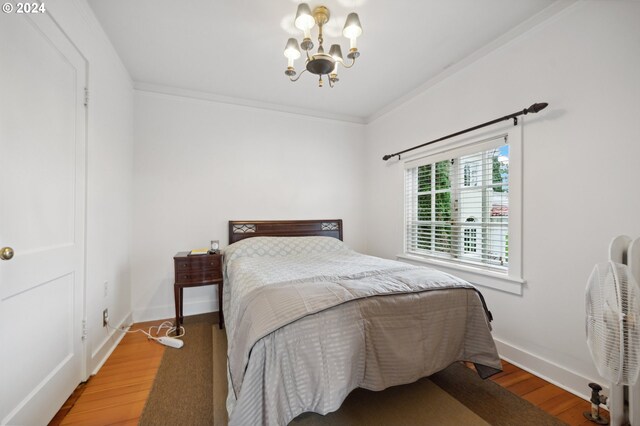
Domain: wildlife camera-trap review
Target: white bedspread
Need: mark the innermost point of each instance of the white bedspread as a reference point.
(288, 359)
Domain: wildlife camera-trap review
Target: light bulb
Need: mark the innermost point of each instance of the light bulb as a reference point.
(352, 29)
(292, 50)
(304, 20)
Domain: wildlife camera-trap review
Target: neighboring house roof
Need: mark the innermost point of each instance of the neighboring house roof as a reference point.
(499, 210)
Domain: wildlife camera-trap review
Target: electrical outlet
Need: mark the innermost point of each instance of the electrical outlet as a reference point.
(105, 317)
(106, 288)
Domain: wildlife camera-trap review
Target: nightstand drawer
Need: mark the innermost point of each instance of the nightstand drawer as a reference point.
(198, 276)
(198, 263)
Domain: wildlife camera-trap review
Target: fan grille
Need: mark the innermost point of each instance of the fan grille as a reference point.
(613, 322)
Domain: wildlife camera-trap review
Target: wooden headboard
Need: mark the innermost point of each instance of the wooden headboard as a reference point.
(241, 229)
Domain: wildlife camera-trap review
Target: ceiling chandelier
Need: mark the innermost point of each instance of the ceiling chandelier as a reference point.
(321, 63)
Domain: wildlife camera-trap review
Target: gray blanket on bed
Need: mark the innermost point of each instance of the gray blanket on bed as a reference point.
(269, 308)
(304, 344)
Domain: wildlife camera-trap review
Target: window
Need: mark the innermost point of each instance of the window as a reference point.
(457, 205)
(470, 238)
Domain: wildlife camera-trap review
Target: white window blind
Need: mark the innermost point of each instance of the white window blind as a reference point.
(457, 205)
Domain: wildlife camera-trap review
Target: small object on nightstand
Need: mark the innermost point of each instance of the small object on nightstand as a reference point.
(197, 252)
(195, 271)
(215, 247)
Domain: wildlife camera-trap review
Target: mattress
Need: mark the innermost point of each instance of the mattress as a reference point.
(308, 320)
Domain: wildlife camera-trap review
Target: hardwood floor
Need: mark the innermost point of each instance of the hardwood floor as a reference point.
(554, 400)
(117, 394)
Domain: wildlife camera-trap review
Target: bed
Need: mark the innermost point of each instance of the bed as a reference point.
(308, 320)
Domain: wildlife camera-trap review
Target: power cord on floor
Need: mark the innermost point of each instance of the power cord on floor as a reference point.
(166, 340)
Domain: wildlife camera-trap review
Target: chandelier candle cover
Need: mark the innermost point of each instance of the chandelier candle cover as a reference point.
(321, 63)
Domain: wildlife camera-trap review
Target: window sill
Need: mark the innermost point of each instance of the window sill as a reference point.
(475, 276)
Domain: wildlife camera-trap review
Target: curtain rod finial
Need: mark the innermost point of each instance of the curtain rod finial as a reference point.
(386, 157)
(537, 107)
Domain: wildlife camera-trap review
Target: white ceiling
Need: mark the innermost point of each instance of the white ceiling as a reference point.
(234, 48)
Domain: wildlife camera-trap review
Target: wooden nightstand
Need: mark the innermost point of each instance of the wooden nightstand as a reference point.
(194, 271)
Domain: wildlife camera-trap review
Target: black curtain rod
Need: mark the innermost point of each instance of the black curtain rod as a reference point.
(532, 109)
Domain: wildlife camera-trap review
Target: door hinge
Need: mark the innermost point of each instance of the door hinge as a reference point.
(85, 331)
(86, 96)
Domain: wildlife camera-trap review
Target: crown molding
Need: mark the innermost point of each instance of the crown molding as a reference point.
(505, 39)
(212, 97)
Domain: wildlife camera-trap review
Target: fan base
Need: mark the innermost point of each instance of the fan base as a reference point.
(599, 420)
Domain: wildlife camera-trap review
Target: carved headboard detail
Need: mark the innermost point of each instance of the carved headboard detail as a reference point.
(241, 229)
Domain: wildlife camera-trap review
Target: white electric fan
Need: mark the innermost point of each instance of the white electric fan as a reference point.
(613, 333)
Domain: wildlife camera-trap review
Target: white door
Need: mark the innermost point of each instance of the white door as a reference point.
(42, 215)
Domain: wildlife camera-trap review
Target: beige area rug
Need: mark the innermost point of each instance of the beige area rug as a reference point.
(183, 388)
(419, 403)
(455, 396)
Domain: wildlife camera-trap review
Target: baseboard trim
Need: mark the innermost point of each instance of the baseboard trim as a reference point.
(152, 313)
(562, 377)
(108, 345)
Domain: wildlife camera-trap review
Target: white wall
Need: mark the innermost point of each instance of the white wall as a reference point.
(109, 175)
(199, 164)
(581, 171)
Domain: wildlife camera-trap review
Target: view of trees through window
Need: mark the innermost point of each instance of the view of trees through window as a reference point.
(440, 212)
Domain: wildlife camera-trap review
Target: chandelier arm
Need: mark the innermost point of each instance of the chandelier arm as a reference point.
(299, 75)
(353, 61)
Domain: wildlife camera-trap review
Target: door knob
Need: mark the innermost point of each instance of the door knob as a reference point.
(6, 253)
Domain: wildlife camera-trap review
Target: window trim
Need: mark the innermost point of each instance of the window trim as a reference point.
(511, 280)
(475, 276)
